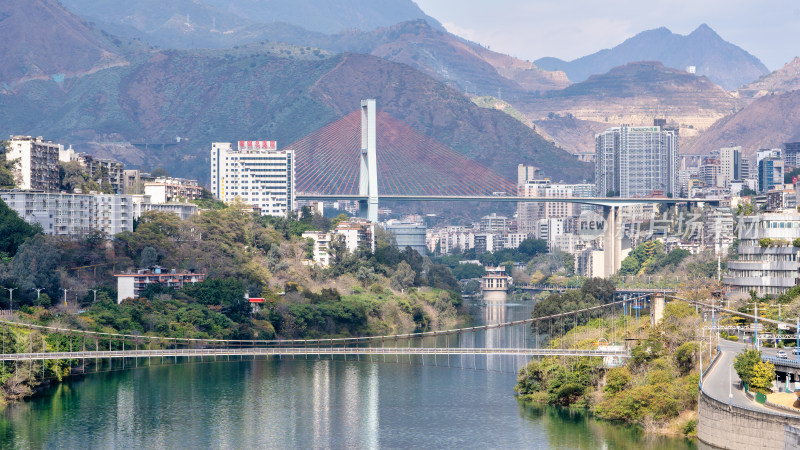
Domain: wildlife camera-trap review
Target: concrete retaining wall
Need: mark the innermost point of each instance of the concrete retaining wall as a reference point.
(722, 426)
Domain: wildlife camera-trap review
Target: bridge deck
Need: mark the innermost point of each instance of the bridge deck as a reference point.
(307, 351)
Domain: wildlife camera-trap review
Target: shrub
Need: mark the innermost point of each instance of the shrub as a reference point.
(617, 379)
(690, 429)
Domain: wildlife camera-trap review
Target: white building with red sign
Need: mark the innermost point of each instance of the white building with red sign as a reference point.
(255, 172)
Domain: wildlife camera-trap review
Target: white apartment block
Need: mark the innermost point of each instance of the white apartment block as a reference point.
(357, 234)
(512, 240)
(76, 214)
(37, 162)
(73, 214)
(493, 222)
(321, 252)
(255, 172)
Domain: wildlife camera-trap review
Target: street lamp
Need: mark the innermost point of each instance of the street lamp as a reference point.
(38, 293)
(65, 295)
(10, 299)
(95, 295)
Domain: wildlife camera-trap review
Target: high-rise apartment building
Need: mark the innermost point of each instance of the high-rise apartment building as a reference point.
(255, 172)
(636, 161)
(791, 152)
(37, 162)
(733, 165)
(770, 173)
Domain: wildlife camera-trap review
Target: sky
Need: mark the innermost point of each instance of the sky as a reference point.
(569, 29)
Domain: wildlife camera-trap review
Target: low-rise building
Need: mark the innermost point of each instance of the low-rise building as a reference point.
(321, 253)
(357, 233)
(131, 285)
(495, 284)
(166, 190)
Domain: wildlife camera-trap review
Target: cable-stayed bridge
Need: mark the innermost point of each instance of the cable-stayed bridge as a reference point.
(342, 161)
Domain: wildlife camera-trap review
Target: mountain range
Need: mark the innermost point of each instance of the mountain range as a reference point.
(703, 48)
(187, 24)
(64, 45)
(270, 90)
(127, 79)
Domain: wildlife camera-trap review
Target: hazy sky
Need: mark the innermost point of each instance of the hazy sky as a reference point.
(568, 29)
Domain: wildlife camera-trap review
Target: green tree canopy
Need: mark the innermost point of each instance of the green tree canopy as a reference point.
(13, 230)
(745, 363)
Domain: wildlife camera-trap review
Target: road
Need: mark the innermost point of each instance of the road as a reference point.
(721, 383)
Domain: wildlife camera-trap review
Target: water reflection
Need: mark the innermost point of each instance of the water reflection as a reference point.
(567, 429)
(311, 404)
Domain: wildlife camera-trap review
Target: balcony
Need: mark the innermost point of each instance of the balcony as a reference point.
(759, 282)
(764, 265)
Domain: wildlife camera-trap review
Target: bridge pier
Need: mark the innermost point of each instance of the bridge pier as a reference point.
(612, 241)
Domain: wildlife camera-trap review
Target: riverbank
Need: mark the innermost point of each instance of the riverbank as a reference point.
(656, 389)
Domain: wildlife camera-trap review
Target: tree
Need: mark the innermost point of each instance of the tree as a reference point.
(403, 277)
(745, 363)
(13, 230)
(763, 374)
(365, 275)
(439, 276)
(36, 266)
(159, 172)
(7, 178)
(532, 247)
(72, 175)
(684, 356)
(149, 257)
(465, 271)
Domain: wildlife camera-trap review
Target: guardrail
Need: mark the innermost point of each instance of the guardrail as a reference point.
(781, 361)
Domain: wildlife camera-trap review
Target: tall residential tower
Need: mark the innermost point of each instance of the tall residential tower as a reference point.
(636, 161)
(257, 173)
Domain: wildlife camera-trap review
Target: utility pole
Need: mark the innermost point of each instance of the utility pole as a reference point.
(755, 329)
(65, 295)
(10, 299)
(730, 385)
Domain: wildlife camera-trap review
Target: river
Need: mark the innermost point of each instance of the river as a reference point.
(307, 404)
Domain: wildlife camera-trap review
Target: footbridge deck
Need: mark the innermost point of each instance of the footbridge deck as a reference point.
(306, 351)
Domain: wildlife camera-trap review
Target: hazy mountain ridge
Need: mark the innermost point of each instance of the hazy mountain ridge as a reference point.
(767, 122)
(632, 94)
(460, 63)
(722, 62)
(42, 40)
(185, 24)
(785, 79)
(216, 97)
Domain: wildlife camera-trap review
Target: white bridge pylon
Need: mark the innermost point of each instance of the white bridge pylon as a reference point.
(368, 174)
